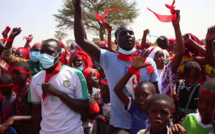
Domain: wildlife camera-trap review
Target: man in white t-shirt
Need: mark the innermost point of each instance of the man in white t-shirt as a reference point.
(58, 94)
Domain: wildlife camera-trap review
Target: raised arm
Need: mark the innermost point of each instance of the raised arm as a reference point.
(80, 35)
(143, 42)
(195, 45)
(109, 29)
(28, 41)
(210, 38)
(136, 65)
(179, 43)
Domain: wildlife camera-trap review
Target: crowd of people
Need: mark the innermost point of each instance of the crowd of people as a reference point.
(99, 89)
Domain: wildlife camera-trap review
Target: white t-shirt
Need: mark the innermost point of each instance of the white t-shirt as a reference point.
(57, 117)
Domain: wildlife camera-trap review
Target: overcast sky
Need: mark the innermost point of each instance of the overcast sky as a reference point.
(36, 17)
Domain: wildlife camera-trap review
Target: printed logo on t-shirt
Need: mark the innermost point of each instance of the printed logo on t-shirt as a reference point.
(67, 83)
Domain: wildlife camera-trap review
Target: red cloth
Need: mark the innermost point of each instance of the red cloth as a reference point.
(63, 58)
(86, 58)
(37, 44)
(103, 44)
(94, 109)
(88, 70)
(25, 52)
(48, 77)
(104, 14)
(166, 18)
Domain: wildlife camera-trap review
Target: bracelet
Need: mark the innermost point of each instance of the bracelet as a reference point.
(8, 39)
(132, 70)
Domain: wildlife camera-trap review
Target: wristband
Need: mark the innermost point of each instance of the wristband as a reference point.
(8, 39)
(132, 70)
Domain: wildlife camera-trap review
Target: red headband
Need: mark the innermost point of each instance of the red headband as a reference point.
(6, 85)
(104, 15)
(104, 82)
(206, 92)
(93, 109)
(166, 18)
(21, 69)
(8, 39)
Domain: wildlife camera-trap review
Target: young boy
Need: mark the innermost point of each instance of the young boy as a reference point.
(159, 113)
(8, 102)
(143, 93)
(20, 75)
(200, 123)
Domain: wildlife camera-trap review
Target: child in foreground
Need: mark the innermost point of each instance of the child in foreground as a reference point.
(159, 113)
(200, 123)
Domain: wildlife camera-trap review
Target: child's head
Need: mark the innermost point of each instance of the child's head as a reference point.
(20, 72)
(144, 91)
(206, 102)
(160, 111)
(191, 73)
(105, 92)
(6, 84)
(92, 76)
(163, 42)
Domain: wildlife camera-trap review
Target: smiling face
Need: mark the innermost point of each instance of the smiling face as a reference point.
(159, 114)
(125, 38)
(142, 97)
(206, 106)
(77, 62)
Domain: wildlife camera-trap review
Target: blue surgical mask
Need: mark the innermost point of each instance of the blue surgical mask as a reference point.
(81, 68)
(126, 52)
(72, 51)
(46, 60)
(34, 56)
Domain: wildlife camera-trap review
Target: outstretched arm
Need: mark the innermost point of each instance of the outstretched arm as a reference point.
(195, 45)
(210, 37)
(138, 63)
(179, 43)
(80, 35)
(143, 42)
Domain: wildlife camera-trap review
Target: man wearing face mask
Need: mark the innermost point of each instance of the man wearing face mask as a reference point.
(58, 94)
(115, 66)
(34, 63)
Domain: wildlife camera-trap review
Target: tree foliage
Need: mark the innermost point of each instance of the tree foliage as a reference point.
(60, 35)
(65, 18)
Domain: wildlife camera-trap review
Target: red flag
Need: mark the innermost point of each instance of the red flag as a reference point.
(104, 14)
(166, 18)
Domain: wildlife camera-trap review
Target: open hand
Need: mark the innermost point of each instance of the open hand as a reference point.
(16, 31)
(139, 60)
(177, 129)
(210, 36)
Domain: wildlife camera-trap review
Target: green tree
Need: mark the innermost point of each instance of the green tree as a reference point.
(60, 35)
(65, 18)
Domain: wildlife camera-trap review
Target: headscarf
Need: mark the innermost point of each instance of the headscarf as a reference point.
(86, 58)
(63, 58)
(25, 52)
(153, 51)
(88, 70)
